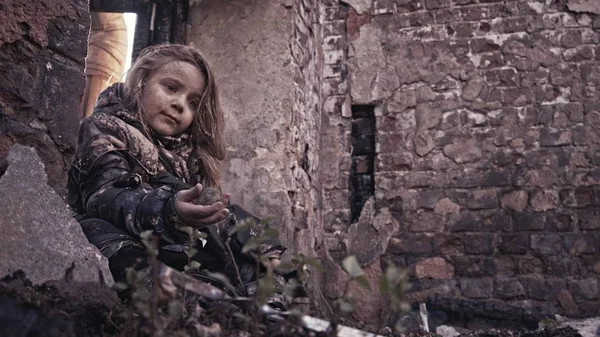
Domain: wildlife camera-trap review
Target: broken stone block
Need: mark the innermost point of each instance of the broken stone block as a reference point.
(472, 89)
(508, 288)
(515, 200)
(368, 238)
(434, 268)
(39, 235)
(476, 287)
(423, 142)
(463, 151)
(584, 6)
(544, 200)
(567, 303)
(446, 206)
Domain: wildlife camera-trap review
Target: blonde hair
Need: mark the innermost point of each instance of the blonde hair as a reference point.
(207, 128)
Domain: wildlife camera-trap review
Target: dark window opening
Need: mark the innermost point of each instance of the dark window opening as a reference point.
(362, 181)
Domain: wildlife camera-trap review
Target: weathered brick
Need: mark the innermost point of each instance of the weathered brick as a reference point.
(560, 222)
(335, 13)
(514, 244)
(447, 244)
(476, 287)
(542, 201)
(530, 265)
(473, 266)
(483, 244)
(529, 221)
(579, 244)
(585, 289)
(571, 39)
(544, 290)
(505, 266)
(548, 244)
(495, 220)
(383, 7)
(434, 268)
(502, 77)
(406, 6)
(483, 199)
(413, 244)
(550, 137)
(465, 221)
(435, 4)
(424, 222)
(508, 288)
(589, 219)
(446, 15)
(515, 200)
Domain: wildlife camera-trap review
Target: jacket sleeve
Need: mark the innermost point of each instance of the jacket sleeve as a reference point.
(113, 193)
(110, 190)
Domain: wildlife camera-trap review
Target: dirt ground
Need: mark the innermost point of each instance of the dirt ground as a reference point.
(68, 309)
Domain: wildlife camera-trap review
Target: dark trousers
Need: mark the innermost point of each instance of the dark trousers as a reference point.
(124, 251)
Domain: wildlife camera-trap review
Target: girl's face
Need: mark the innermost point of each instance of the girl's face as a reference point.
(171, 97)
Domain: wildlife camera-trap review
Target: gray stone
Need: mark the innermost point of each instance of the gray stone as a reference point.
(39, 235)
(365, 63)
(544, 200)
(463, 151)
(360, 6)
(368, 238)
(515, 200)
(589, 6)
(588, 327)
(472, 89)
(423, 142)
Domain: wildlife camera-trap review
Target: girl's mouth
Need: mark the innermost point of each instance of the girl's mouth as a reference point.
(171, 118)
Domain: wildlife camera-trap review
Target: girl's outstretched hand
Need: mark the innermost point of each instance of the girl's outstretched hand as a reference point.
(198, 215)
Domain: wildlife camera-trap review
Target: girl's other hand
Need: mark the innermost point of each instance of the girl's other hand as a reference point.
(199, 215)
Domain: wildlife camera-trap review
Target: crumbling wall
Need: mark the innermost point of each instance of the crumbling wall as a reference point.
(267, 61)
(42, 51)
(487, 144)
(247, 42)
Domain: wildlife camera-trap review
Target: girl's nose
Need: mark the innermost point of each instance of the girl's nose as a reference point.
(177, 105)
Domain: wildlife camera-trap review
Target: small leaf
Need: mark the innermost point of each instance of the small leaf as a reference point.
(271, 232)
(187, 229)
(193, 265)
(251, 245)
(351, 266)
(345, 305)
(221, 278)
(241, 226)
(383, 285)
(363, 282)
(316, 263)
(190, 252)
(196, 234)
(285, 267)
(120, 286)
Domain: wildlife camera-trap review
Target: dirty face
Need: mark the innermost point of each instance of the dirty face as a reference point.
(171, 97)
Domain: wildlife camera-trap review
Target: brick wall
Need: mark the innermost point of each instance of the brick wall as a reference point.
(487, 143)
(42, 51)
(306, 121)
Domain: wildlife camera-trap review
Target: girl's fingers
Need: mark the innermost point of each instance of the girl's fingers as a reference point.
(199, 211)
(191, 194)
(215, 217)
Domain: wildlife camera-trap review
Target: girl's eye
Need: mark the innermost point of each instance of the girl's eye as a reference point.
(171, 88)
(193, 103)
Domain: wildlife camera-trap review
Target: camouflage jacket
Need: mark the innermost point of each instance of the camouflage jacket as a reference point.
(125, 177)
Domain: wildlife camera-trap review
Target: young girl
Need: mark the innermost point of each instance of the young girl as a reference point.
(150, 147)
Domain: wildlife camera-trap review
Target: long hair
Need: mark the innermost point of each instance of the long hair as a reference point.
(207, 128)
